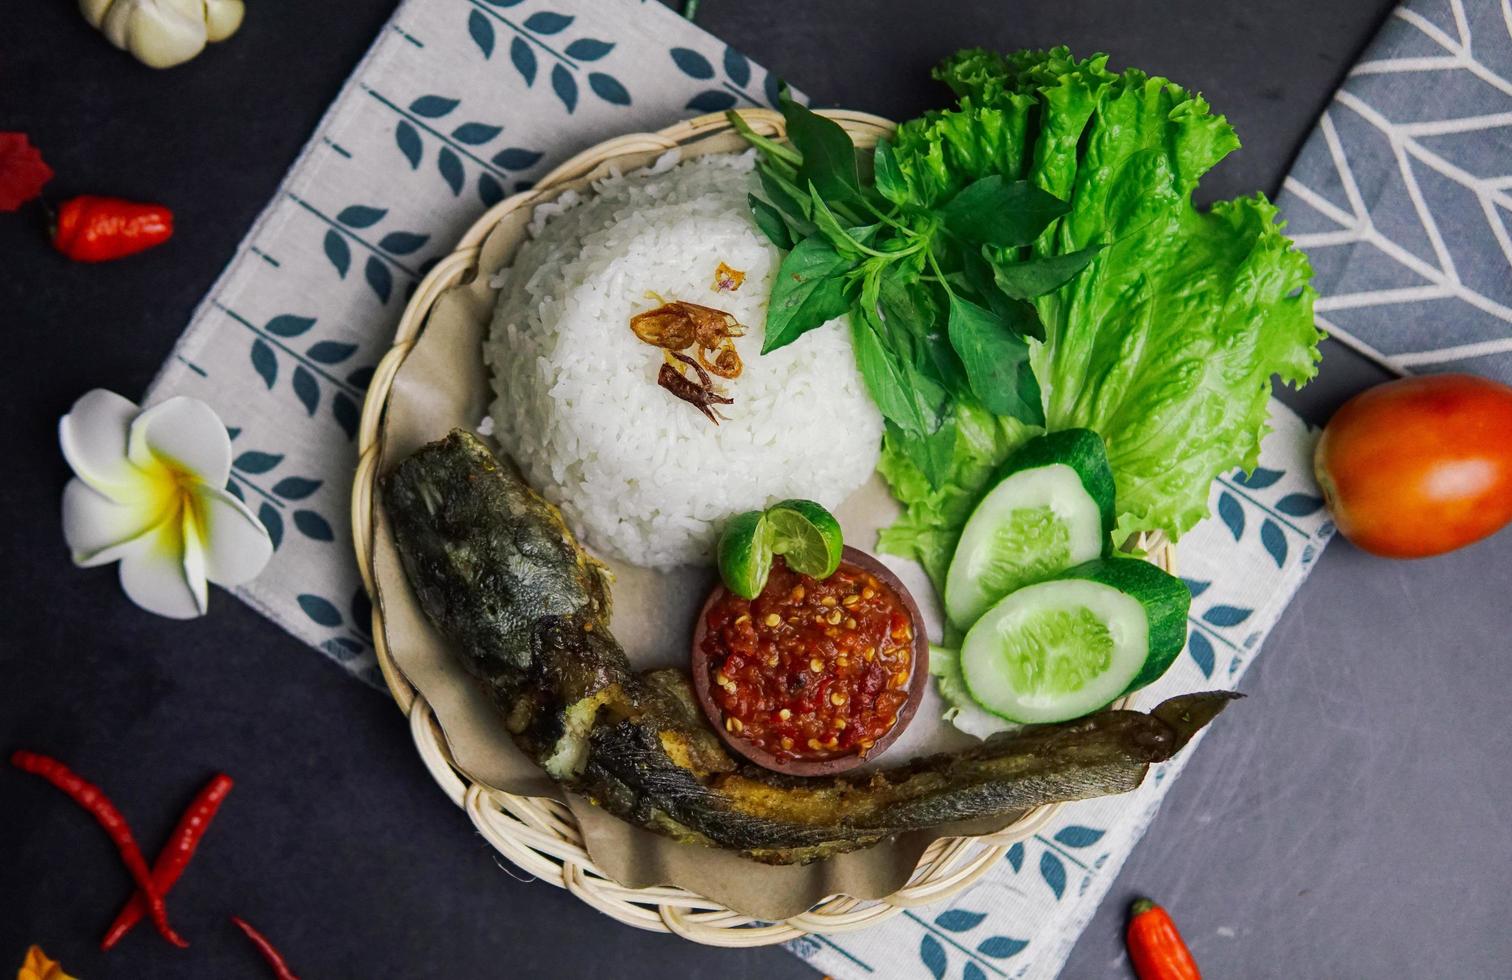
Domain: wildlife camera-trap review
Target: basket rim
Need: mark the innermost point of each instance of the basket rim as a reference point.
(537, 834)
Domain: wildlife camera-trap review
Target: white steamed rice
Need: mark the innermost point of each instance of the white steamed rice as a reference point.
(641, 475)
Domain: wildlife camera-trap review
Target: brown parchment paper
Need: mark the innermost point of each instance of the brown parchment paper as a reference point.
(442, 385)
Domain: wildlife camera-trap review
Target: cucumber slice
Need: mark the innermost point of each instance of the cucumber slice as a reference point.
(961, 711)
(1065, 648)
(1052, 508)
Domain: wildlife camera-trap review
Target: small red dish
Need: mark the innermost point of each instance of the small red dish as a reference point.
(833, 669)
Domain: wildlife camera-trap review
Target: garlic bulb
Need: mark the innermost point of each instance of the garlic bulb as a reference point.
(163, 33)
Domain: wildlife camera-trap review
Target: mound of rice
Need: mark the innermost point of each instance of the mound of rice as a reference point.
(641, 475)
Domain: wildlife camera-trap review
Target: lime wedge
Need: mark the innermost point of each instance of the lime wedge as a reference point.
(807, 535)
(745, 554)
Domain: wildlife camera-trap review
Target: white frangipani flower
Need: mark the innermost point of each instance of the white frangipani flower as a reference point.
(149, 493)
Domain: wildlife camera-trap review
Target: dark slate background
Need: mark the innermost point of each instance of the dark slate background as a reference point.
(1343, 822)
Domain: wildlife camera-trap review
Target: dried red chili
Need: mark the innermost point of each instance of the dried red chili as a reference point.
(93, 800)
(98, 229)
(269, 952)
(174, 856)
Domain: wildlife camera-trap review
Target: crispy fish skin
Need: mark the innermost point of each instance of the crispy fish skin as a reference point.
(500, 575)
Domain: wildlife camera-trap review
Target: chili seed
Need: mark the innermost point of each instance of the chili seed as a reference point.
(833, 618)
(816, 665)
(868, 592)
(871, 654)
(784, 714)
(772, 619)
(850, 600)
(741, 619)
(840, 724)
(837, 699)
(787, 743)
(850, 623)
(828, 600)
(798, 593)
(813, 743)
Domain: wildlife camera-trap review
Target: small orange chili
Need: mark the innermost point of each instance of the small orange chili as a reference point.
(98, 229)
(1155, 947)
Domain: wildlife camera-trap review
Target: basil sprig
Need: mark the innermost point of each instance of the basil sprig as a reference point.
(937, 292)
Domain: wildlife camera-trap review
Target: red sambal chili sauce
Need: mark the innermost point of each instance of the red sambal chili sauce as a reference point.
(810, 669)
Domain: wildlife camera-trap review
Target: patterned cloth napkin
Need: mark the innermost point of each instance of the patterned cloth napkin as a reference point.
(460, 102)
(1403, 194)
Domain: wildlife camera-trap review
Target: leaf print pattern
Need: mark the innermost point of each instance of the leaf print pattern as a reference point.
(1201, 650)
(964, 935)
(726, 92)
(312, 366)
(565, 86)
(450, 166)
(279, 499)
(531, 43)
(353, 224)
(461, 146)
(482, 32)
(523, 59)
(353, 641)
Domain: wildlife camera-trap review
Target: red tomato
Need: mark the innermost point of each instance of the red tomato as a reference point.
(1420, 466)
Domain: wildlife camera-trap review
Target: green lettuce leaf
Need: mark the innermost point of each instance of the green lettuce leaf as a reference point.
(1166, 342)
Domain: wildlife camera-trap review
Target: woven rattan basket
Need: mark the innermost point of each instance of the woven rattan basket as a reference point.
(539, 834)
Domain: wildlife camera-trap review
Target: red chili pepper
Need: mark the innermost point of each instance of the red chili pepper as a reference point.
(23, 172)
(1155, 947)
(275, 959)
(174, 856)
(92, 799)
(98, 229)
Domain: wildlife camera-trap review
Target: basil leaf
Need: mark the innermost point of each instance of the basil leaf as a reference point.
(941, 360)
(769, 220)
(829, 157)
(1041, 274)
(886, 175)
(1020, 316)
(786, 195)
(829, 226)
(997, 211)
(810, 290)
(884, 378)
(996, 361)
(904, 302)
(769, 148)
